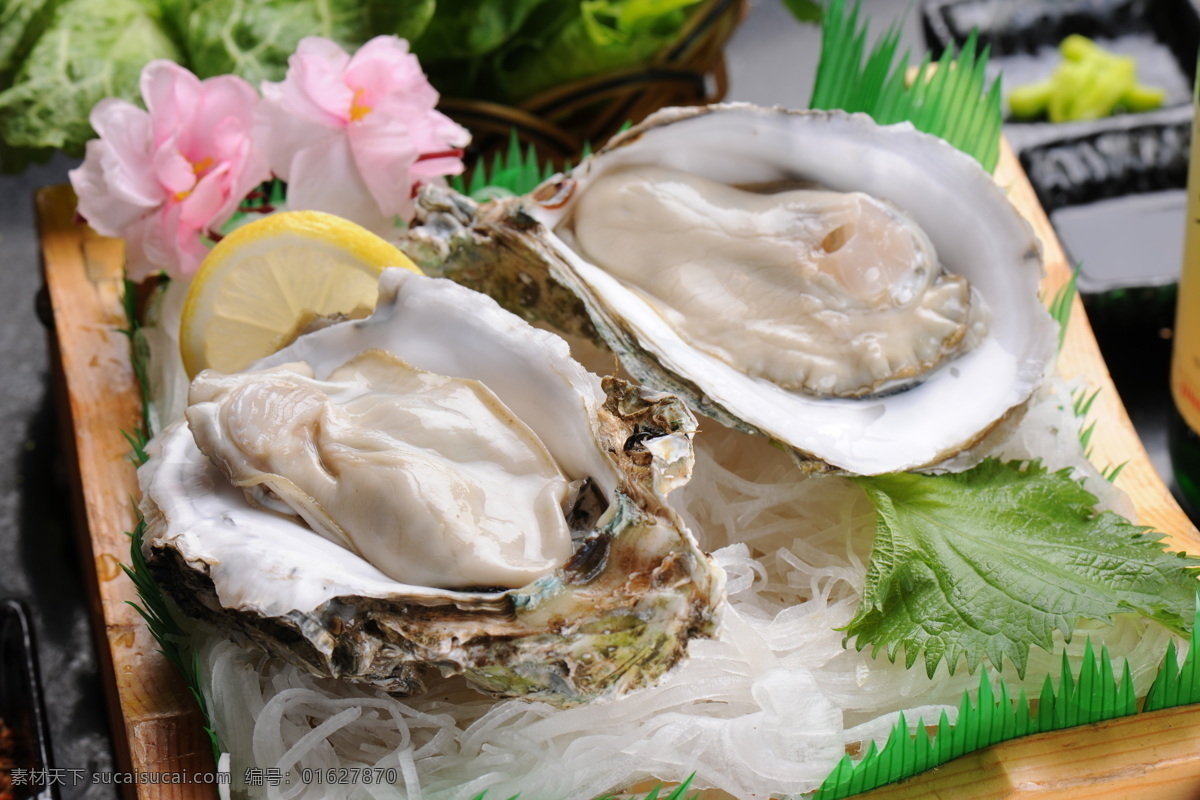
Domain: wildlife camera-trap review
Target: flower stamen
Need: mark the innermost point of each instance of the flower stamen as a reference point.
(358, 109)
(198, 169)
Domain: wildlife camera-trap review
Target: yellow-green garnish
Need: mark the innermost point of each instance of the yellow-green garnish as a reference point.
(1090, 83)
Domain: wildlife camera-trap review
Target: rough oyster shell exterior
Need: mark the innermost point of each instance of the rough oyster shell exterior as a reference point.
(508, 249)
(616, 616)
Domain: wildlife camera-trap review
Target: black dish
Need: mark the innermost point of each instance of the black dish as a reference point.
(21, 705)
(1117, 198)
(1023, 36)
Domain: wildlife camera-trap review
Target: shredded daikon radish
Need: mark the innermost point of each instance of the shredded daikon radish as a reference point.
(766, 708)
(168, 379)
(1049, 431)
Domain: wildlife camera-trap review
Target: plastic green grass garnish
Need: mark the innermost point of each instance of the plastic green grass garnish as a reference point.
(949, 99)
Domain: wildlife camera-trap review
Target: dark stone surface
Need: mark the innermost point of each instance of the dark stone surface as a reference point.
(37, 544)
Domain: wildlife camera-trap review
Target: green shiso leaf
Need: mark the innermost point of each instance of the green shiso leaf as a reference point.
(92, 49)
(952, 101)
(981, 564)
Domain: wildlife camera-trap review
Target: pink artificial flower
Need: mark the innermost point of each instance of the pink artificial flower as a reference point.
(355, 136)
(164, 178)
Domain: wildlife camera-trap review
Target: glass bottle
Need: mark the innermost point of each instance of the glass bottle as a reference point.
(1184, 426)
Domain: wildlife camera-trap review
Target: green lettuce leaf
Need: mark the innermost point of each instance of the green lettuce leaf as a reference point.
(407, 19)
(472, 28)
(456, 48)
(592, 38)
(612, 21)
(21, 23)
(982, 563)
(804, 10)
(13, 160)
(92, 49)
(253, 38)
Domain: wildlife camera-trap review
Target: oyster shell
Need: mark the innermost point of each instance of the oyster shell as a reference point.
(615, 615)
(912, 413)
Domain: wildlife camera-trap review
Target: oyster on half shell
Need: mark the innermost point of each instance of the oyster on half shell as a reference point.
(864, 294)
(561, 573)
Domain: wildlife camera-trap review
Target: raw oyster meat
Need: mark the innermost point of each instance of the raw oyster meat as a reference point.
(379, 442)
(774, 284)
(900, 328)
(609, 608)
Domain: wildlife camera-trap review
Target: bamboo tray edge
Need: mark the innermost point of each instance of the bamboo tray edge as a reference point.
(157, 727)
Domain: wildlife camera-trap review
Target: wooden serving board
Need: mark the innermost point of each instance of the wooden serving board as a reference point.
(157, 727)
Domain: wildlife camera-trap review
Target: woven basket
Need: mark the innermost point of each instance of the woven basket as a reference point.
(688, 71)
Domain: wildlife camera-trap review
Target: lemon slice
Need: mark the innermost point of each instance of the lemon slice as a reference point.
(262, 283)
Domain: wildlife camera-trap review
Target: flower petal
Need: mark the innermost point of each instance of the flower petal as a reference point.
(247, 168)
(172, 95)
(189, 253)
(138, 264)
(325, 178)
(171, 244)
(105, 215)
(283, 135)
(384, 154)
(430, 169)
(383, 70)
(173, 171)
(126, 155)
(313, 88)
(200, 208)
(226, 100)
